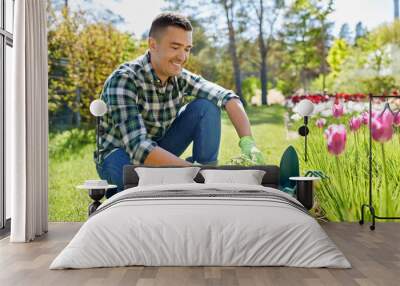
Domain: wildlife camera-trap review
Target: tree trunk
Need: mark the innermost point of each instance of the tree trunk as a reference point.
(233, 52)
(303, 73)
(323, 58)
(264, 80)
(236, 66)
(263, 56)
(77, 112)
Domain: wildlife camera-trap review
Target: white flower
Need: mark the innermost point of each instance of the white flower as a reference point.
(326, 113)
(295, 117)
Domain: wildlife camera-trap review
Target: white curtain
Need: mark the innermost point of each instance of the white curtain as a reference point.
(27, 124)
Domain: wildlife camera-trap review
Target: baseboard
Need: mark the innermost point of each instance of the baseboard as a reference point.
(5, 231)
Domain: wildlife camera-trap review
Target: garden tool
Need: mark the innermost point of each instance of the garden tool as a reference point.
(289, 167)
(316, 173)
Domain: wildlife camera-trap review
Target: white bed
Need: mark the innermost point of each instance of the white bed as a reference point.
(223, 225)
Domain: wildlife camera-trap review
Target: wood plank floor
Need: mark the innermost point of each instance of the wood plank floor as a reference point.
(375, 257)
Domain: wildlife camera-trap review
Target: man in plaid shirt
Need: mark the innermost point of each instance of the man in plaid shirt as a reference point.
(146, 122)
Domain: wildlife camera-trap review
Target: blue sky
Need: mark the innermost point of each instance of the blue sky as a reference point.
(138, 14)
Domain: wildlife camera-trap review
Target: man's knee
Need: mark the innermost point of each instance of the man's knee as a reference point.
(205, 107)
(112, 169)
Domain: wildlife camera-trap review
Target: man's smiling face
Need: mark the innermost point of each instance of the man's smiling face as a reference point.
(170, 51)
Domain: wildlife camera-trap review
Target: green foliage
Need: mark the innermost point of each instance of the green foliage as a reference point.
(63, 144)
(345, 33)
(380, 85)
(390, 33)
(360, 31)
(284, 86)
(305, 36)
(373, 53)
(61, 39)
(82, 55)
(337, 55)
(370, 66)
(249, 87)
(316, 84)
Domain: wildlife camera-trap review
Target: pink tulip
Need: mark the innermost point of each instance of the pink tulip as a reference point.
(382, 131)
(396, 120)
(365, 117)
(355, 123)
(321, 122)
(337, 110)
(382, 127)
(336, 137)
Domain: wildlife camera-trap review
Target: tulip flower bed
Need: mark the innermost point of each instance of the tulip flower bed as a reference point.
(338, 145)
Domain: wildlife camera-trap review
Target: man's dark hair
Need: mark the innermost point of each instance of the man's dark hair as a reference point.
(162, 21)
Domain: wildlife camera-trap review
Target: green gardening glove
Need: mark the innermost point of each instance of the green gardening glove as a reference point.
(249, 149)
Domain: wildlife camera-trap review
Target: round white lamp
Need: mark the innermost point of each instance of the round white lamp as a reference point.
(305, 108)
(98, 108)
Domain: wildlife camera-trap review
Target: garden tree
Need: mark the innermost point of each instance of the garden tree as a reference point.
(345, 33)
(322, 12)
(361, 32)
(294, 39)
(205, 58)
(230, 11)
(280, 65)
(209, 14)
(389, 33)
(337, 56)
(62, 36)
(93, 12)
(58, 4)
(305, 34)
(99, 50)
(370, 66)
(209, 61)
(374, 53)
(89, 52)
(248, 52)
(267, 13)
(249, 55)
(200, 38)
(202, 61)
(377, 58)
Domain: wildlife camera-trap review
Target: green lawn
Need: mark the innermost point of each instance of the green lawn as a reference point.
(66, 203)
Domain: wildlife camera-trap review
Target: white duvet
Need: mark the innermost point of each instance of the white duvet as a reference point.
(183, 231)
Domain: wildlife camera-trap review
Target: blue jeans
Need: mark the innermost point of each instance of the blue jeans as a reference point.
(198, 122)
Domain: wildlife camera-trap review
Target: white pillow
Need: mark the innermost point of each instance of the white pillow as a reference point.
(164, 176)
(248, 177)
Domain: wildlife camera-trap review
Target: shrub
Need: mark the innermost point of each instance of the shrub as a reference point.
(70, 142)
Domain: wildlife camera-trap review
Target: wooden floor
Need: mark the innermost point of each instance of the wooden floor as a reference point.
(375, 257)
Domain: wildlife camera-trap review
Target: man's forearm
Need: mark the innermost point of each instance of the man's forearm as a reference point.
(238, 117)
(161, 157)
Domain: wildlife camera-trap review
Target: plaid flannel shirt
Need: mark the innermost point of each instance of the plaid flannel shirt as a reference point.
(140, 110)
